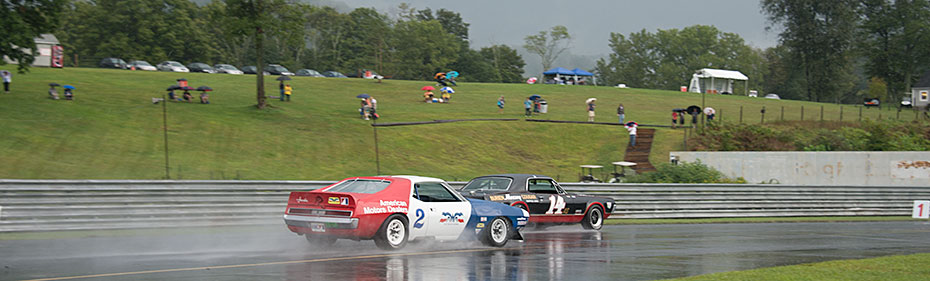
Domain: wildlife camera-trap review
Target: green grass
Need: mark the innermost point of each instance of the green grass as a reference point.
(906, 267)
(112, 131)
(757, 220)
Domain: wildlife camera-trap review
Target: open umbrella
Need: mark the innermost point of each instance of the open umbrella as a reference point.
(363, 96)
(182, 79)
(447, 90)
(283, 78)
(678, 110)
(535, 97)
(709, 111)
(532, 80)
(427, 88)
(204, 89)
(173, 87)
(693, 110)
(590, 100)
(69, 87)
(631, 124)
(53, 84)
(452, 74)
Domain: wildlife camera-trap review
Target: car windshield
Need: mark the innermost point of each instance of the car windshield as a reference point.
(225, 66)
(200, 65)
(360, 186)
(311, 72)
(174, 63)
(140, 62)
(279, 68)
(489, 183)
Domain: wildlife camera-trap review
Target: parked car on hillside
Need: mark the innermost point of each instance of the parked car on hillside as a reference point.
(309, 72)
(542, 197)
(200, 67)
(113, 63)
(334, 74)
(226, 68)
(142, 65)
(277, 69)
(251, 69)
(870, 102)
(365, 73)
(172, 66)
(772, 96)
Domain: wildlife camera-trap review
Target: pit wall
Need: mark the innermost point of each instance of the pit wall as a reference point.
(900, 168)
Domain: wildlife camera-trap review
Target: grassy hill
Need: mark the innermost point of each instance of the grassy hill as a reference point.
(113, 131)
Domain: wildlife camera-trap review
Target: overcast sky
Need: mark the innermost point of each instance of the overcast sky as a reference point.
(591, 21)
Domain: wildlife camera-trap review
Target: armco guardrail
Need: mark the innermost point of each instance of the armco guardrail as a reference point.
(44, 205)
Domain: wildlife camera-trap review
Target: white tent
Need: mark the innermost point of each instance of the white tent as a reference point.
(707, 79)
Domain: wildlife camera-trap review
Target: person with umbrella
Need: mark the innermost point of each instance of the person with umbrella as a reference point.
(451, 77)
(590, 105)
(694, 110)
(535, 99)
(440, 79)
(287, 92)
(631, 127)
(68, 94)
(52, 92)
(171, 95)
(204, 98)
(710, 112)
(500, 105)
(528, 105)
(428, 95)
(675, 115)
(366, 105)
(446, 93)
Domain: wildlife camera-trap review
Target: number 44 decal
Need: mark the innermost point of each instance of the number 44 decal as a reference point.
(556, 204)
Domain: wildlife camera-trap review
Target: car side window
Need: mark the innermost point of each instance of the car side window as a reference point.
(433, 192)
(542, 186)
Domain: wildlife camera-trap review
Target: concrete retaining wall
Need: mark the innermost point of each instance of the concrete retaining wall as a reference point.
(905, 168)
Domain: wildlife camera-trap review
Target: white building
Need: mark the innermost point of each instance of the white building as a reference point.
(48, 47)
(717, 81)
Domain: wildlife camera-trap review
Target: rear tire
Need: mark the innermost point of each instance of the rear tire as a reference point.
(594, 219)
(393, 233)
(497, 232)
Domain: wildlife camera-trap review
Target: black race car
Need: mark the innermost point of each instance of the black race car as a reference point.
(542, 196)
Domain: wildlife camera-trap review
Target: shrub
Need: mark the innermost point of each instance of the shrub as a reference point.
(685, 172)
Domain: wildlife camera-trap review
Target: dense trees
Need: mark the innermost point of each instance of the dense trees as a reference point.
(22, 22)
(666, 59)
(414, 45)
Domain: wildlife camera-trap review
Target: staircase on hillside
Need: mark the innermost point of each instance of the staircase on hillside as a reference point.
(639, 154)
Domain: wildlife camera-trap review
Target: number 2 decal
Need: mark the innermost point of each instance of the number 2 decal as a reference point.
(420, 216)
(556, 204)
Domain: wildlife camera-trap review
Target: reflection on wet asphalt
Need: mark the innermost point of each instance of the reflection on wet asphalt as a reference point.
(629, 252)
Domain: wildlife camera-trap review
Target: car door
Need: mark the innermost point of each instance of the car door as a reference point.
(553, 200)
(438, 212)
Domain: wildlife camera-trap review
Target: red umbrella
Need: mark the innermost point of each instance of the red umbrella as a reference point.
(428, 88)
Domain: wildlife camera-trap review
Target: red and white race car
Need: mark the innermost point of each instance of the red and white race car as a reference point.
(394, 209)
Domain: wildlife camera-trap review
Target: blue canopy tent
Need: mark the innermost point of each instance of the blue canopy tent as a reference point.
(559, 72)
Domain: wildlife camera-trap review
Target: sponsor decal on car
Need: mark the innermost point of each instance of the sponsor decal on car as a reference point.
(449, 218)
(480, 225)
(512, 197)
(578, 211)
(394, 203)
(528, 196)
(344, 201)
(497, 198)
(565, 211)
(608, 205)
(521, 221)
(302, 200)
(483, 219)
(333, 200)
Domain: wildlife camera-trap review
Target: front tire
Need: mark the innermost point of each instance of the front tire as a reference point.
(594, 219)
(497, 233)
(393, 233)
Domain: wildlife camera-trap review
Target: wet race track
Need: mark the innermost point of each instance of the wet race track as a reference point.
(628, 252)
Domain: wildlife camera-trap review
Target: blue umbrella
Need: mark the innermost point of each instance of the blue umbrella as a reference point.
(447, 90)
(452, 74)
(69, 87)
(535, 97)
(363, 96)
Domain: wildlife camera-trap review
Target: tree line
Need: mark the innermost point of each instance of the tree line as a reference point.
(413, 44)
(829, 50)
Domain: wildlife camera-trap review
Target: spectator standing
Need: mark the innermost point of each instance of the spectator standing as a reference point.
(528, 105)
(500, 105)
(631, 127)
(374, 104)
(287, 92)
(620, 113)
(366, 108)
(590, 105)
(281, 90)
(7, 79)
(674, 119)
(68, 94)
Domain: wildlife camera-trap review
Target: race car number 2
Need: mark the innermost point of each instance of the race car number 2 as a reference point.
(556, 204)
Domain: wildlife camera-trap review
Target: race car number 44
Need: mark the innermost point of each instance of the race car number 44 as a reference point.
(317, 227)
